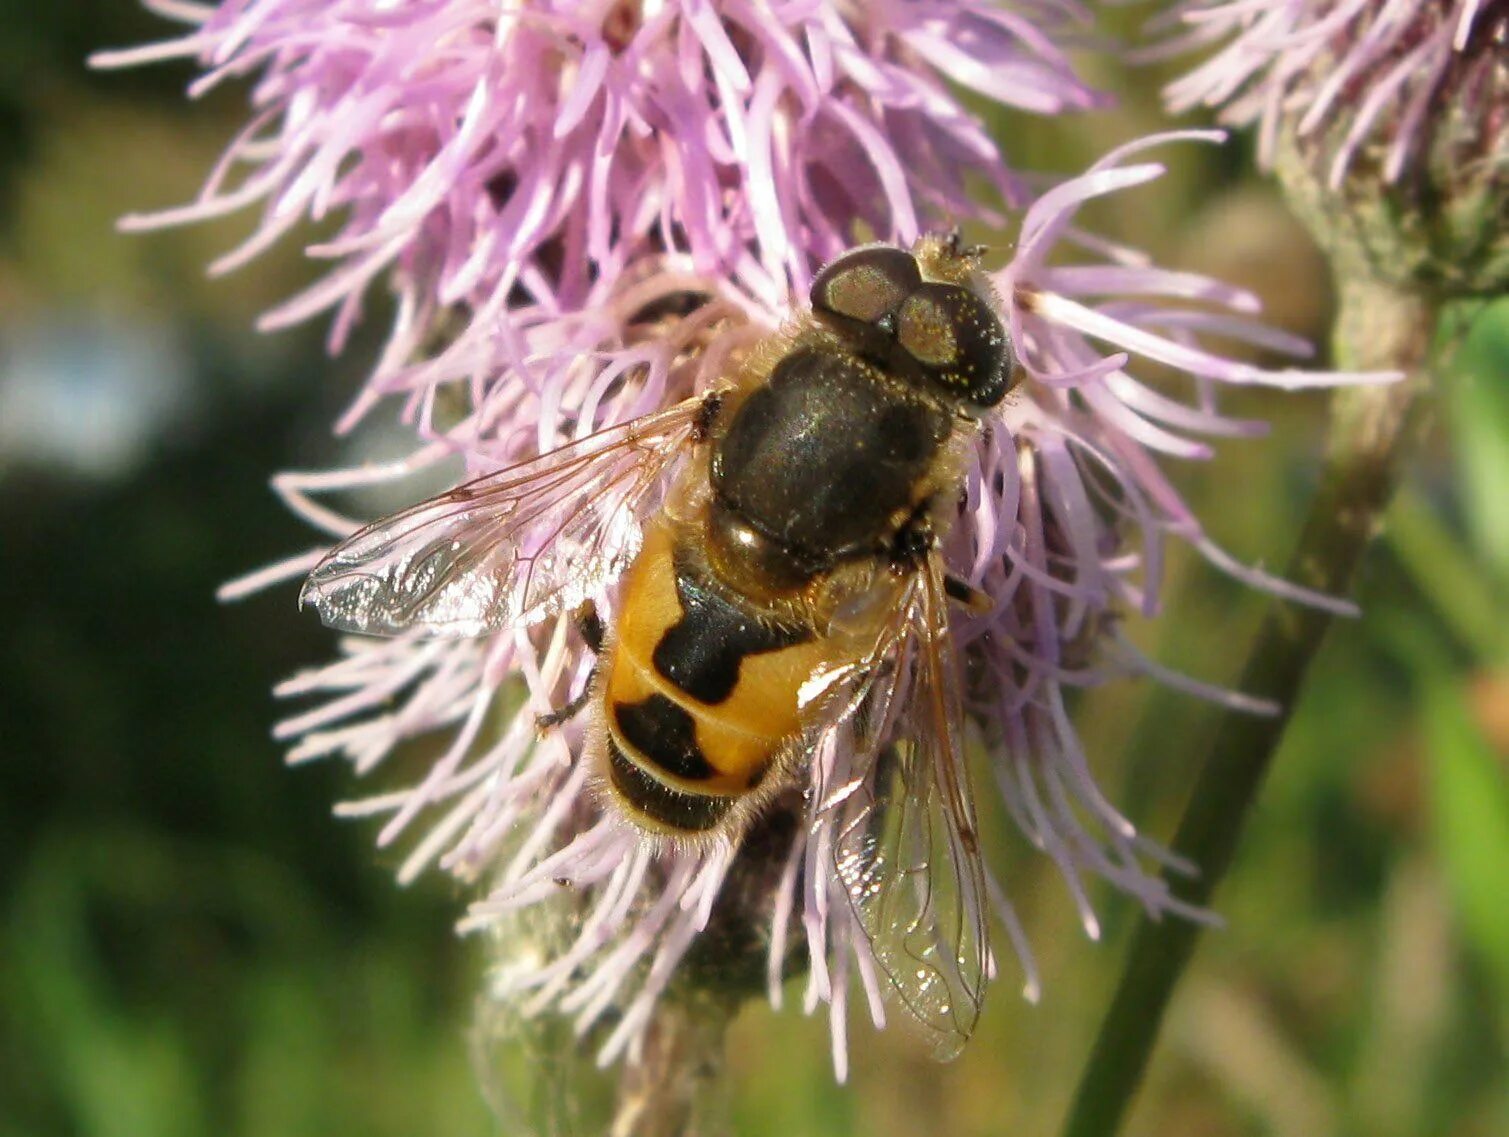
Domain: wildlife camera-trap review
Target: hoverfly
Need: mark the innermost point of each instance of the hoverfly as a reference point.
(787, 588)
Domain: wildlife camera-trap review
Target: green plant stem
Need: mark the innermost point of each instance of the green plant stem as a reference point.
(1378, 328)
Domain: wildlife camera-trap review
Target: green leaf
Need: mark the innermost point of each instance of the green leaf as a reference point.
(1455, 580)
(1470, 814)
(1479, 410)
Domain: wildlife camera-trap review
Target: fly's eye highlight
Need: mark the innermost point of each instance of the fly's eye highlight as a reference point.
(866, 285)
(956, 338)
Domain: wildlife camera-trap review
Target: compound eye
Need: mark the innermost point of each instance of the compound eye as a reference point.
(866, 284)
(953, 333)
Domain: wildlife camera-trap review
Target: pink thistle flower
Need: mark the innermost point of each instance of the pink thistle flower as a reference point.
(1361, 74)
(501, 166)
(585, 212)
(1064, 523)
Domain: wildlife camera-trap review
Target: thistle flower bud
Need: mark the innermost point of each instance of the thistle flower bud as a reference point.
(1387, 121)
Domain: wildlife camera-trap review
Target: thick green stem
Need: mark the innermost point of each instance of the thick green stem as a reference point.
(1379, 328)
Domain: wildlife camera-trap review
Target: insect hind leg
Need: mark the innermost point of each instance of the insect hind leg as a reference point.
(545, 723)
(589, 626)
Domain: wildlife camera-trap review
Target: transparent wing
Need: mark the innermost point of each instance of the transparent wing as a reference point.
(509, 548)
(907, 845)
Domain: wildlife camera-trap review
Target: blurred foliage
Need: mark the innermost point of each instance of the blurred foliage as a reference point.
(190, 945)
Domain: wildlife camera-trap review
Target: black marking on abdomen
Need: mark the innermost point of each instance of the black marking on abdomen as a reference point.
(673, 808)
(702, 651)
(664, 735)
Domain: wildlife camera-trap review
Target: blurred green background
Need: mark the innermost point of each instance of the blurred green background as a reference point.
(190, 945)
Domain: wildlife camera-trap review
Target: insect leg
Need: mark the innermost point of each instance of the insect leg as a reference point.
(544, 724)
(914, 541)
(590, 626)
(707, 415)
(957, 247)
(979, 603)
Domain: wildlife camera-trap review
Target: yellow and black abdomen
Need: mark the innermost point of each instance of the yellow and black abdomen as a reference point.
(701, 690)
